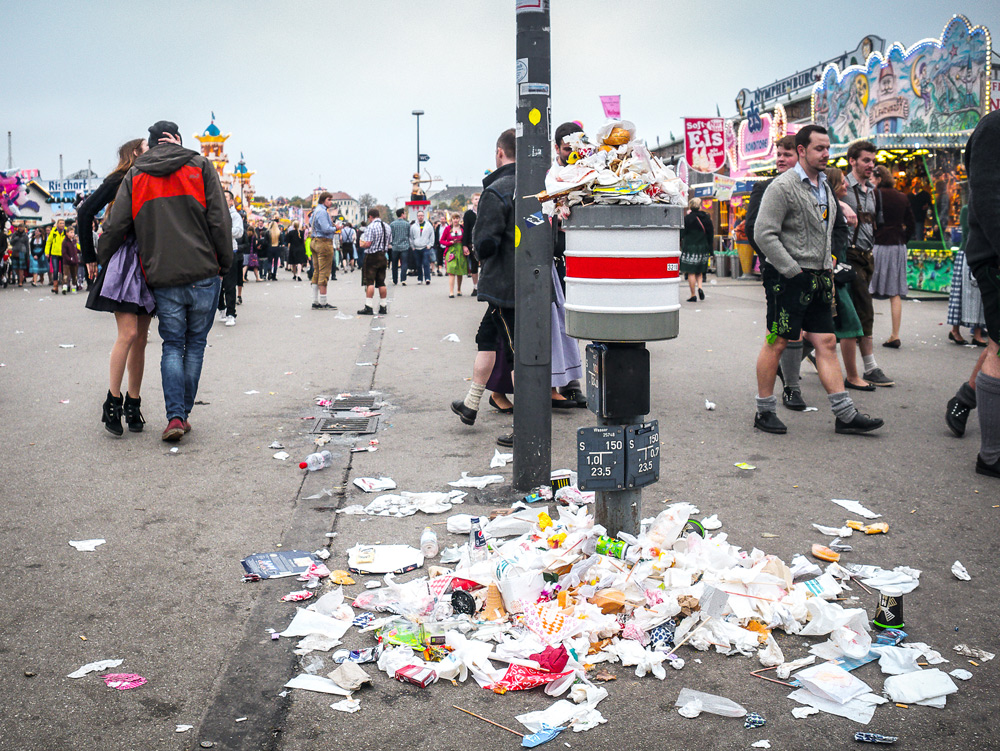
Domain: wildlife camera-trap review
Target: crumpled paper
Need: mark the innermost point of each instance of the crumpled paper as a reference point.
(959, 571)
(475, 482)
(94, 667)
(87, 546)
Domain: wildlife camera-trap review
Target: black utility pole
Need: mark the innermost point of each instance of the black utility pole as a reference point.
(533, 255)
(418, 113)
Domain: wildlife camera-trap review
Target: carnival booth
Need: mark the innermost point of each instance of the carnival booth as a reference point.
(918, 105)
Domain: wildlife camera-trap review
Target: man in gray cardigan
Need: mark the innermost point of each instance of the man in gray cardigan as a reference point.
(794, 230)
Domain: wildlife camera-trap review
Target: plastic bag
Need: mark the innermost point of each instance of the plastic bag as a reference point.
(710, 703)
(831, 682)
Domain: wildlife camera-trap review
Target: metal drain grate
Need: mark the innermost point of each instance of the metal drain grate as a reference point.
(342, 425)
(348, 403)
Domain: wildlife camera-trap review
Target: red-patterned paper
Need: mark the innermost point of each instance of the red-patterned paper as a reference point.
(123, 681)
(520, 677)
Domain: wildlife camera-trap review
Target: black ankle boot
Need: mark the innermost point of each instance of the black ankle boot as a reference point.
(133, 417)
(112, 416)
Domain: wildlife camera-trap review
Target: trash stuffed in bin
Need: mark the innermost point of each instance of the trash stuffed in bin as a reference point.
(417, 675)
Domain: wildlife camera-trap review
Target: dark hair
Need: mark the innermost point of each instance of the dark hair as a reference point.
(855, 149)
(324, 195)
(786, 142)
(373, 213)
(507, 143)
(566, 129)
(803, 137)
(885, 177)
(399, 213)
(230, 194)
(127, 155)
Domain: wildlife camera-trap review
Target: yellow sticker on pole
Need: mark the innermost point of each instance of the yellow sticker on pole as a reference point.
(517, 236)
(534, 117)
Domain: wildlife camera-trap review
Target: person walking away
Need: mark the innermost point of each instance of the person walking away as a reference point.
(439, 226)
(227, 295)
(794, 229)
(422, 242)
(456, 260)
(348, 245)
(376, 242)
(71, 262)
(696, 247)
(866, 202)
(37, 264)
(468, 226)
(982, 253)
(296, 250)
(252, 233)
(920, 204)
(400, 230)
(274, 259)
(53, 251)
(889, 250)
(263, 251)
(126, 295)
(322, 232)
(494, 241)
(20, 252)
(847, 323)
(965, 303)
(172, 200)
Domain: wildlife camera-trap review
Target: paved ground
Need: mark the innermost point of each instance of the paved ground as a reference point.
(164, 593)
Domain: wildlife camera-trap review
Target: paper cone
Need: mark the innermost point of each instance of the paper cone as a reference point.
(493, 609)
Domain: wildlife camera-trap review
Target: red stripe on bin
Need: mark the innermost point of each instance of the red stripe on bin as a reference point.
(610, 267)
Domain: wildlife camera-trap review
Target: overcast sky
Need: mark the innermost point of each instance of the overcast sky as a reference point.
(324, 88)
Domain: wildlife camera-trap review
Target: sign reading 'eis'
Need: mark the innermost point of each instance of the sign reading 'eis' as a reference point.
(704, 143)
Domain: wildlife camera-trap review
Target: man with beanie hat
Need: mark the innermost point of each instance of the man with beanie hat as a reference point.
(172, 201)
(982, 253)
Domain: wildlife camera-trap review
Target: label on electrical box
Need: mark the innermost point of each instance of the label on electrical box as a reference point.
(642, 454)
(600, 458)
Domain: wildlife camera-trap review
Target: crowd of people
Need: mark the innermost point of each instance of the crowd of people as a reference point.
(828, 244)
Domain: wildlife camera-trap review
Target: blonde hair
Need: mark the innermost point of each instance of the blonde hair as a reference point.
(694, 203)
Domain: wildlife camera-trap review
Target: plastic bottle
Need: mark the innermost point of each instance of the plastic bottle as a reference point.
(319, 460)
(612, 548)
(477, 542)
(429, 543)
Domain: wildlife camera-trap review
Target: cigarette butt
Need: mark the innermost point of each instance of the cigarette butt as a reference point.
(973, 662)
(902, 706)
(923, 663)
(914, 511)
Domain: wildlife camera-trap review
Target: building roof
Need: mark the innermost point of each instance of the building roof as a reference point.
(342, 196)
(212, 130)
(450, 192)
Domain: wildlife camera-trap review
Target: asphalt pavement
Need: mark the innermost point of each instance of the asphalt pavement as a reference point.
(165, 594)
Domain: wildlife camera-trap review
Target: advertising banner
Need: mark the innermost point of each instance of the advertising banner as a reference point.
(704, 143)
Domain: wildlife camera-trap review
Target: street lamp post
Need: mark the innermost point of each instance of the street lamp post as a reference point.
(418, 113)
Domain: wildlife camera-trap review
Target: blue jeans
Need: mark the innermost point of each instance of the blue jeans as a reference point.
(186, 315)
(426, 257)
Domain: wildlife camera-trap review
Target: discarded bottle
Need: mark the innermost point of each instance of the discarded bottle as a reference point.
(612, 548)
(429, 543)
(319, 460)
(477, 542)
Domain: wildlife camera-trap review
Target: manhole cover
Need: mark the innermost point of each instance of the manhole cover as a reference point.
(341, 425)
(350, 402)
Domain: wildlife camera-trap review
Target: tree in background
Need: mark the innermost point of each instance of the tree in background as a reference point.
(367, 200)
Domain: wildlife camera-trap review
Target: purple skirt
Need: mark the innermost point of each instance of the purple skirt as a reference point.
(124, 281)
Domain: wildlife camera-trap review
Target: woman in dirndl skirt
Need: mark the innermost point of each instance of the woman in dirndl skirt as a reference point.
(696, 247)
(121, 289)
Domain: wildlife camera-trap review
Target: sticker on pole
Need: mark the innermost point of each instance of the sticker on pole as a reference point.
(522, 70)
(600, 457)
(530, 89)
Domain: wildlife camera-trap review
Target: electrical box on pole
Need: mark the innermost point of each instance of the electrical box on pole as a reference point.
(533, 250)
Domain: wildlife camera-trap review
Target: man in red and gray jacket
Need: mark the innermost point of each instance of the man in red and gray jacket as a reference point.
(172, 201)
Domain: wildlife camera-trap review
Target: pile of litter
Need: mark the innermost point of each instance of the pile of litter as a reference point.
(615, 168)
(541, 597)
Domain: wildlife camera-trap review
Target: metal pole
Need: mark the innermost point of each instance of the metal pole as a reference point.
(533, 254)
(417, 171)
